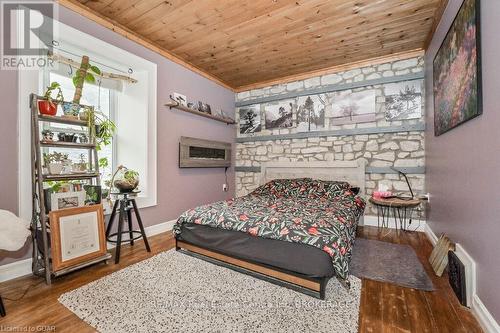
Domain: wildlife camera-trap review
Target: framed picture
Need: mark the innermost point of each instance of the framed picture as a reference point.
(204, 107)
(62, 200)
(179, 98)
(311, 113)
(279, 115)
(77, 235)
(250, 119)
(457, 71)
(403, 100)
(353, 107)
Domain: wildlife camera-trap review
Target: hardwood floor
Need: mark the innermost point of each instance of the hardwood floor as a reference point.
(384, 307)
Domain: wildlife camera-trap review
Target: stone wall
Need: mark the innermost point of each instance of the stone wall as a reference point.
(379, 150)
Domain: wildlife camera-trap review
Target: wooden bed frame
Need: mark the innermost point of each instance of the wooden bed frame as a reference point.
(350, 171)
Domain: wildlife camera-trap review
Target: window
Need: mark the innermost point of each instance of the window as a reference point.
(133, 108)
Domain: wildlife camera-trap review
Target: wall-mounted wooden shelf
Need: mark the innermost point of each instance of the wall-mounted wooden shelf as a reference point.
(177, 106)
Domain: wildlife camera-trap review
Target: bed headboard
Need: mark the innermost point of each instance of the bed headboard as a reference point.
(349, 171)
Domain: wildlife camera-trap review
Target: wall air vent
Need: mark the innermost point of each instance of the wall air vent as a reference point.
(199, 153)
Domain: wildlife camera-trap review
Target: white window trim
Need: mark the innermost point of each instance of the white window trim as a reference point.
(29, 81)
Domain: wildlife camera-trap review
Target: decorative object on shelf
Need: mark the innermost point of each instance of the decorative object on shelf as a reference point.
(14, 233)
(93, 194)
(353, 107)
(83, 138)
(55, 162)
(181, 99)
(439, 255)
(66, 137)
(403, 100)
(191, 108)
(85, 113)
(71, 110)
(279, 114)
(124, 205)
(199, 153)
(311, 113)
(77, 185)
(457, 71)
(47, 135)
(62, 200)
(204, 107)
(84, 74)
(77, 236)
(250, 119)
(48, 106)
(81, 165)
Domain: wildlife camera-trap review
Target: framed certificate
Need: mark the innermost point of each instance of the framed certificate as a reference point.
(77, 235)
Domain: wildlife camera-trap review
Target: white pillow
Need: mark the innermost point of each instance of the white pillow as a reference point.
(13, 231)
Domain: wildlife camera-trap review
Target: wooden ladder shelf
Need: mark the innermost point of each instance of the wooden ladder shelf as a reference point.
(40, 226)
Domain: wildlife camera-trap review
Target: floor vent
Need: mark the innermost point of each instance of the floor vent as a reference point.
(456, 276)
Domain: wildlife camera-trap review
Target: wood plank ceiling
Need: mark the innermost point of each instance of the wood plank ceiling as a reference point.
(244, 43)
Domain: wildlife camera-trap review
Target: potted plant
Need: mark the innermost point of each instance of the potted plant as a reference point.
(125, 180)
(101, 130)
(81, 165)
(48, 106)
(55, 162)
(47, 135)
(83, 138)
(84, 74)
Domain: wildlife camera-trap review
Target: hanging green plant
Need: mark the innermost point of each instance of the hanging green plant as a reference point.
(84, 74)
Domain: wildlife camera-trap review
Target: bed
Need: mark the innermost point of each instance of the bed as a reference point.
(297, 229)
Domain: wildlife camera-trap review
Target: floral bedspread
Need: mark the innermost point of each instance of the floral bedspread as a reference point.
(317, 213)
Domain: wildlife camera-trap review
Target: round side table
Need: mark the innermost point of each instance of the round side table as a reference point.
(401, 209)
(124, 205)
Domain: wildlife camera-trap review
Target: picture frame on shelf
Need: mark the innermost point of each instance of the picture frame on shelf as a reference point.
(204, 107)
(179, 98)
(77, 235)
(64, 200)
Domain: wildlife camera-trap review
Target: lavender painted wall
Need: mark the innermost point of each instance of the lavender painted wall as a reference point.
(178, 189)
(463, 165)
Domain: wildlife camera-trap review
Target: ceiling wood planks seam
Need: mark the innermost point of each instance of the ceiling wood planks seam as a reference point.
(249, 44)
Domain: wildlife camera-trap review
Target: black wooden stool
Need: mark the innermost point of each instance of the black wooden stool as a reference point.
(2, 308)
(125, 203)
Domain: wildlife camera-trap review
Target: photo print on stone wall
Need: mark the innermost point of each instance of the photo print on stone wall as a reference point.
(353, 107)
(249, 119)
(311, 113)
(403, 100)
(279, 114)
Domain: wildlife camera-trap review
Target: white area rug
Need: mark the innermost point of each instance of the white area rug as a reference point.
(173, 292)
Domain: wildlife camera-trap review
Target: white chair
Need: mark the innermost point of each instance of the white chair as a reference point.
(13, 235)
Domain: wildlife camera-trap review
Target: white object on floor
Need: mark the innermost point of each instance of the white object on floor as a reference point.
(14, 233)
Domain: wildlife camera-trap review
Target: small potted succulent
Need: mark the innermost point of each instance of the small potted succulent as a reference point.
(81, 165)
(83, 138)
(48, 106)
(55, 162)
(47, 135)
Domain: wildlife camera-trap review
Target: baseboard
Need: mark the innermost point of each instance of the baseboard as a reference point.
(372, 221)
(15, 269)
(431, 235)
(23, 267)
(483, 316)
(486, 320)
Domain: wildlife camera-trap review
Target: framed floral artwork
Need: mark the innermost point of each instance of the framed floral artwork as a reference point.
(457, 71)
